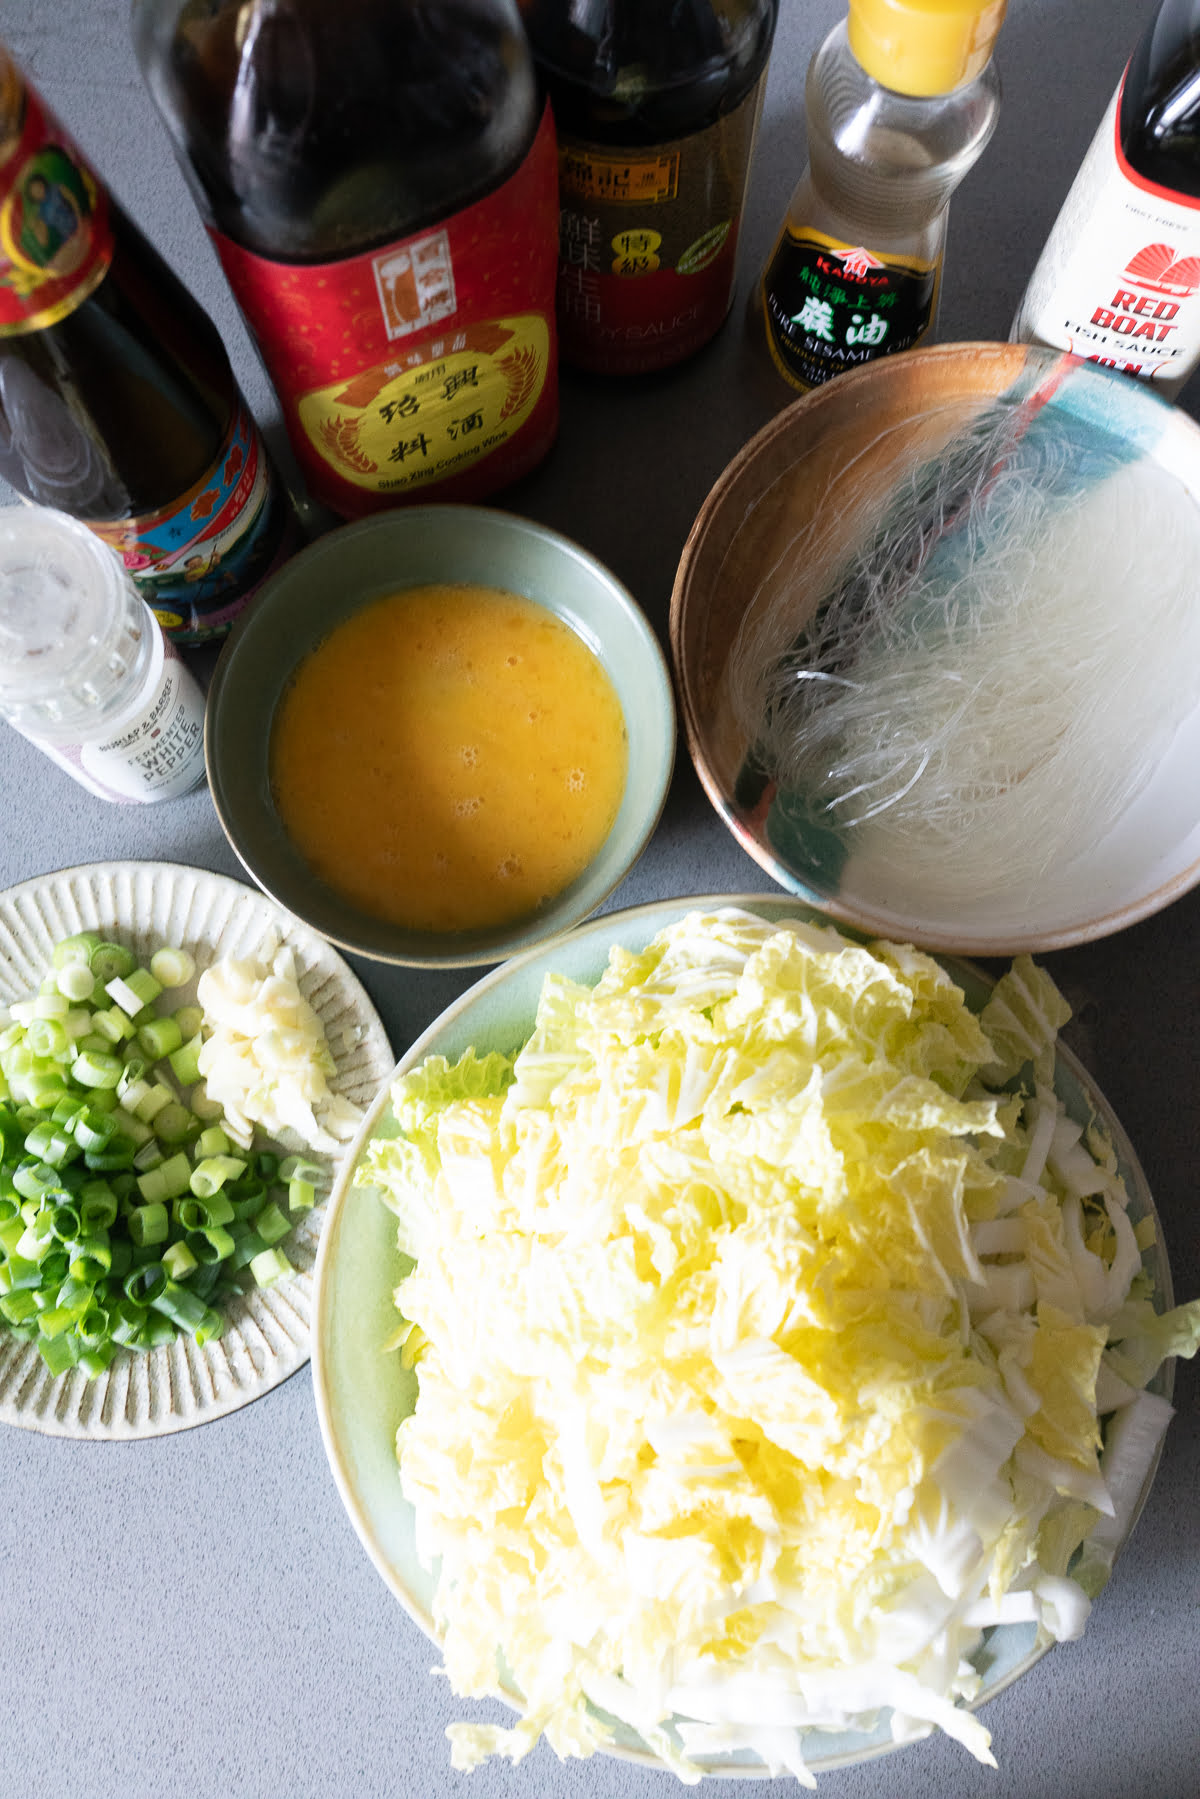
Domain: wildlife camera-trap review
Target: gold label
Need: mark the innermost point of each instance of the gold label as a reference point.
(421, 417)
(586, 173)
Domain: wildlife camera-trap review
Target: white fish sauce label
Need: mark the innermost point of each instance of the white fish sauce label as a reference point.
(1118, 282)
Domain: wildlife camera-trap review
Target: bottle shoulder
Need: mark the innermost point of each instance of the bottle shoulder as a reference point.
(324, 131)
(1159, 110)
(864, 122)
(646, 71)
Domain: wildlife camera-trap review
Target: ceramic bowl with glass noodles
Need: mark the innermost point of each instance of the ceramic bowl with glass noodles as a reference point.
(937, 642)
(440, 735)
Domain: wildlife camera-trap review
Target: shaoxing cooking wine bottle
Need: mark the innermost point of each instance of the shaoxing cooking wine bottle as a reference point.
(1118, 281)
(656, 104)
(379, 179)
(117, 401)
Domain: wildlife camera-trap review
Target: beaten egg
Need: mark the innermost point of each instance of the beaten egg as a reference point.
(449, 758)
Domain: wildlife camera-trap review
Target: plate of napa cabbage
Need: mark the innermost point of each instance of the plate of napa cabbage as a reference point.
(742, 1347)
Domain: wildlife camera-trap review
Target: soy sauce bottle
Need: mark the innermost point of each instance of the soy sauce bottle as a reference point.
(117, 401)
(656, 104)
(379, 180)
(1118, 281)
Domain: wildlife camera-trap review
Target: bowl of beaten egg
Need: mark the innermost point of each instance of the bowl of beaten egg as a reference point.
(440, 735)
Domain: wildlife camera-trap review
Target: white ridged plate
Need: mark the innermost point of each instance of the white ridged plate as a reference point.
(145, 905)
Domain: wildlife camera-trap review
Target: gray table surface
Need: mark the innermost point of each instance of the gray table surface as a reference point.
(194, 1614)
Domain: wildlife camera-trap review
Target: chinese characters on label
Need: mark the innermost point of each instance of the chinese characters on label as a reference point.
(408, 406)
(830, 306)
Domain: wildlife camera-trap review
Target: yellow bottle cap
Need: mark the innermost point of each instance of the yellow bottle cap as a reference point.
(923, 47)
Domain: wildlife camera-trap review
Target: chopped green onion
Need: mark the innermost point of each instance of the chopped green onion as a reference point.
(190, 1020)
(214, 1142)
(149, 1224)
(185, 1061)
(97, 1205)
(175, 1124)
(113, 1024)
(94, 1069)
(269, 1266)
(48, 1037)
(159, 1038)
(79, 948)
(172, 967)
(110, 961)
(153, 1101)
(212, 1173)
(128, 1208)
(179, 1261)
(59, 1353)
(76, 982)
(185, 1310)
(143, 1285)
(169, 1180)
(271, 1224)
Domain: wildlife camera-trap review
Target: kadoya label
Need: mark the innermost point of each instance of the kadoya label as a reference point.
(55, 238)
(829, 306)
(1118, 281)
(431, 362)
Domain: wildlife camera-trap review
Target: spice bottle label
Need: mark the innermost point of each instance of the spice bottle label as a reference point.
(648, 243)
(55, 237)
(829, 306)
(1118, 281)
(429, 361)
(199, 560)
(157, 753)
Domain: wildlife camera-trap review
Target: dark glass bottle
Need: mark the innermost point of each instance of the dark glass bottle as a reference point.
(117, 401)
(379, 180)
(656, 104)
(1118, 281)
(1160, 100)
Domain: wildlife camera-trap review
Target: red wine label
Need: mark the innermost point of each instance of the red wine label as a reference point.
(430, 362)
(648, 243)
(198, 561)
(1118, 281)
(55, 238)
(829, 306)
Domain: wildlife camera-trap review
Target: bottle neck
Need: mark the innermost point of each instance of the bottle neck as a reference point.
(1159, 118)
(639, 71)
(313, 130)
(889, 162)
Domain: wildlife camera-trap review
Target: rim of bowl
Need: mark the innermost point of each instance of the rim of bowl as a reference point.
(979, 355)
(575, 903)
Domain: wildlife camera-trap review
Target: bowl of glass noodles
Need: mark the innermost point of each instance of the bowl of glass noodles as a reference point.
(937, 649)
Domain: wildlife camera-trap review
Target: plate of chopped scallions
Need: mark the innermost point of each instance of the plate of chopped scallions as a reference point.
(182, 1065)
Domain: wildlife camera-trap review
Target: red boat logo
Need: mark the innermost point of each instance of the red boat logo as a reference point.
(1156, 267)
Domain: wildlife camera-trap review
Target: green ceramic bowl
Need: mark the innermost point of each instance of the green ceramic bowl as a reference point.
(348, 569)
(362, 1394)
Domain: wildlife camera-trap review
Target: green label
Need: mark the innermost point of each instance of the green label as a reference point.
(829, 306)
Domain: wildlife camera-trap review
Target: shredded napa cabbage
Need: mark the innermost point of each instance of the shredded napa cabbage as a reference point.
(761, 1347)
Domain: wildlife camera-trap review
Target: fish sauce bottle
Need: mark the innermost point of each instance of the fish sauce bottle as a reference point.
(1118, 281)
(656, 104)
(117, 401)
(901, 99)
(379, 180)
